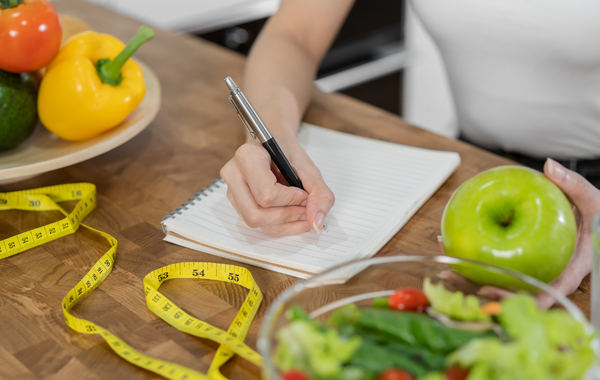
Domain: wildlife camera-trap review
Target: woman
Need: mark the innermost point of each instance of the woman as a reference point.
(523, 78)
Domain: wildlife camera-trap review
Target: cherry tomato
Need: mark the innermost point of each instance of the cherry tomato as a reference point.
(395, 374)
(457, 373)
(30, 36)
(408, 299)
(295, 375)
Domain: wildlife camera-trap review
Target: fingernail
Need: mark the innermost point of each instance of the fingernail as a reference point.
(303, 203)
(556, 170)
(318, 222)
(439, 238)
(303, 217)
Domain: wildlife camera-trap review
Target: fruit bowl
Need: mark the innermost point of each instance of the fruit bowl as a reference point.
(380, 277)
(43, 151)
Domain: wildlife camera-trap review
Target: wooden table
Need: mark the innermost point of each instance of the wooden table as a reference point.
(195, 133)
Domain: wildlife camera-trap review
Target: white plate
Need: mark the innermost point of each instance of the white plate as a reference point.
(44, 151)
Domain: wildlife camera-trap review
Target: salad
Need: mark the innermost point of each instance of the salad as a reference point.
(435, 334)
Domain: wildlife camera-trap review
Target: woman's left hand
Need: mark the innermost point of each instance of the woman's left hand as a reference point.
(586, 198)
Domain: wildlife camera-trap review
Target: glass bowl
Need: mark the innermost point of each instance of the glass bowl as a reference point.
(380, 277)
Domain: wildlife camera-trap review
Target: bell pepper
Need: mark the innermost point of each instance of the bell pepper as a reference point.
(92, 85)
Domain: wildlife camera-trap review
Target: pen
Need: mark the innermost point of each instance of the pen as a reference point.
(258, 129)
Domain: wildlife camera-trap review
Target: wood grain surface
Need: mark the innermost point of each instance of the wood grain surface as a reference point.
(195, 133)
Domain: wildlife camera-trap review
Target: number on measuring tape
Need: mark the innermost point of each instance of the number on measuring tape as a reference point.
(195, 273)
(234, 277)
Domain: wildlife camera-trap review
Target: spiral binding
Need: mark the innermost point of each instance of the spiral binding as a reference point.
(191, 201)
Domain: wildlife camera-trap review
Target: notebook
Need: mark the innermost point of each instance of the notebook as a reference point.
(378, 186)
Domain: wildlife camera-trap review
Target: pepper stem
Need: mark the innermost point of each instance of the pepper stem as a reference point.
(108, 70)
(5, 4)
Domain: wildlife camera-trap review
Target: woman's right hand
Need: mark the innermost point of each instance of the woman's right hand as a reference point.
(262, 197)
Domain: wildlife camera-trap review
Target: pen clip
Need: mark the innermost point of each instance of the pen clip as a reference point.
(242, 119)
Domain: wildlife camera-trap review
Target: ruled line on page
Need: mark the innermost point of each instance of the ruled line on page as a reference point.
(257, 233)
(278, 246)
(227, 211)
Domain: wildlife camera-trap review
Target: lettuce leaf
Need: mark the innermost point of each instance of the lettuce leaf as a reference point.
(320, 352)
(547, 345)
(454, 304)
(523, 320)
(434, 376)
(346, 315)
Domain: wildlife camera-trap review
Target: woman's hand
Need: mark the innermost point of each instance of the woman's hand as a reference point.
(586, 198)
(262, 197)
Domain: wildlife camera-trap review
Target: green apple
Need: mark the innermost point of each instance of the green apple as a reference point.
(513, 217)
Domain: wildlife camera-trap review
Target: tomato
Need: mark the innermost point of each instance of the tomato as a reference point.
(395, 374)
(295, 375)
(457, 373)
(408, 299)
(30, 36)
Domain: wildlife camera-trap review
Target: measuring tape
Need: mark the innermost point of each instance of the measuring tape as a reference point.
(231, 341)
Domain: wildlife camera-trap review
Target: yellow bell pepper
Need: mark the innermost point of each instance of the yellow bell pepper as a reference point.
(92, 85)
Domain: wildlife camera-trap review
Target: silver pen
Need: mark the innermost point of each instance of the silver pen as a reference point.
(258, 129)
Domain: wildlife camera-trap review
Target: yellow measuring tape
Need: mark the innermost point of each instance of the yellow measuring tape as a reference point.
(231, 341)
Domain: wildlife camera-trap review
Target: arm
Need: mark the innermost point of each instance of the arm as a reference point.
(278, 81)
(284, 60)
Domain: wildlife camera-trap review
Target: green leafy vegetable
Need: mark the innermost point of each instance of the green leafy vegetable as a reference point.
(434, 376)
(546, 346)
(420, 355)
(431, 360)
(356, 373)
(381, 303)
(296, 312)
(415, 329)
(378, 359)
(346, 315)
(320, 352)
(523, 320)
(454, 304)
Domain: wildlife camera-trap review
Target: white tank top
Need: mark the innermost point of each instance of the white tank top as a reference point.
(525, 74)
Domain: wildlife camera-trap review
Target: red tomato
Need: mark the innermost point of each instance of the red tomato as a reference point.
(408, 299)
(457, 373)
(395, 374)
(30, 36)
(295, 375)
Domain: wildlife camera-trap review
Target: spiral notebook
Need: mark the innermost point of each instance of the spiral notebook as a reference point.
(378, 186)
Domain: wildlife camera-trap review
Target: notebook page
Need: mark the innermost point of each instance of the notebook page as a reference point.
(377, 186)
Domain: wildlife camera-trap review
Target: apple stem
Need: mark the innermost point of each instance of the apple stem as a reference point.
(507, 219)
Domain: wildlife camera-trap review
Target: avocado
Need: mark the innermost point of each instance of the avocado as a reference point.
(18, 108)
